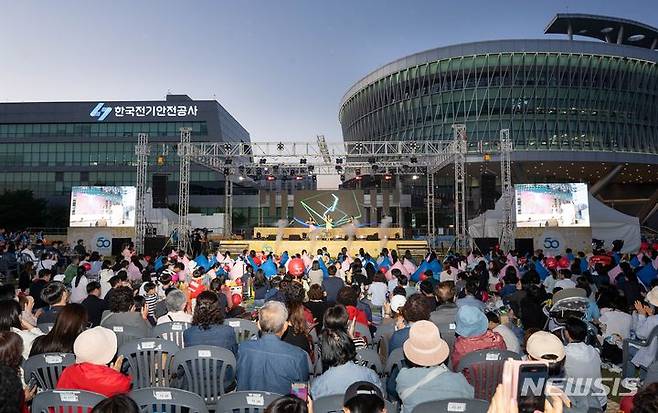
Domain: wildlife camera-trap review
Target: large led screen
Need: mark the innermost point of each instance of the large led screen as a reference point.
(103, 206)
(551, 205)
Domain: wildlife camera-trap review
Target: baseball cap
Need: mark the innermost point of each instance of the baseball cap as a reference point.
(362, 388)
(543, 345)
(397, 302)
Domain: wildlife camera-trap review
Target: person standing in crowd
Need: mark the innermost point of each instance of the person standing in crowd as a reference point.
(94, 305)
(426, 376)
(270, 364)
(332, 285)
(80, 249)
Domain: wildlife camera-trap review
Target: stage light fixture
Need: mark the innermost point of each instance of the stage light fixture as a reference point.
(241, 178)
(339, 161)
(414, 177)
(388, 177)
(262, 161)
(227, 147)
(339, 168)
(280, 146)
(358, 146)
(342, 178)
(271, 178)
(413, 159)
(228, 161)
(299, 178)
(302, 161)
(358, 177)
(259, 171)
(357, 171)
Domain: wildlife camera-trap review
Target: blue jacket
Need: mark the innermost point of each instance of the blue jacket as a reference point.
(269, 364)
(219, 335)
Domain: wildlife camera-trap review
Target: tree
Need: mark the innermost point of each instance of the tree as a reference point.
(20, 209)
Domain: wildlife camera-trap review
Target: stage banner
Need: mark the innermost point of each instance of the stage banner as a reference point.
(102, 242)
(554, 241)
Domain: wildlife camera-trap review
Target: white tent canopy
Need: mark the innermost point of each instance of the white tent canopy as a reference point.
(607, 224)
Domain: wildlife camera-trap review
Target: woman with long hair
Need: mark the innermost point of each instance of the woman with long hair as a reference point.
(79, 284)
(10, 320)
(298, 326)
(71, 321)
(11, 350)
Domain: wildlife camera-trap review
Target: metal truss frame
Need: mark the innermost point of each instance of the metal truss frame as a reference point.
(506, 239)
(240, 161)
(142, 151)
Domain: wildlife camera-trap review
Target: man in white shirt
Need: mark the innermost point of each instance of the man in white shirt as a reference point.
(582, 361)
(565, 280)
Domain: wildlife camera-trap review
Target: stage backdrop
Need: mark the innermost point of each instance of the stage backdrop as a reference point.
(340, 205)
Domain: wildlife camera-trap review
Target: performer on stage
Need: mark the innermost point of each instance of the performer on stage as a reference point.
(328, 225)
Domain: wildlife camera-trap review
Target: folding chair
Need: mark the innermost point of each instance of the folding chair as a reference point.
(46, 368)
(453, 405)
(164, 399)
(172, 331)
(149, 361)
(206, 371)
(485, 370)
(245, 402)
(244, 329)
(628, 368)
(65, 401)
(370, 358)
(125, 334)
(447, 331)
(334, 404)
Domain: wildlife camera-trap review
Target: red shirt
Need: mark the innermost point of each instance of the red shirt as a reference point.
(94, 378)
(195, 288)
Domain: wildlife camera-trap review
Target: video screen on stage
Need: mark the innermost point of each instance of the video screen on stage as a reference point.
(103, 206)
(551, 205)
(339, 207)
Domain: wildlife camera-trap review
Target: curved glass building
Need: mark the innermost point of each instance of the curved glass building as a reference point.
(591, 104)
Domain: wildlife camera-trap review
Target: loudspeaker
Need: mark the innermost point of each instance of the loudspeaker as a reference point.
(488, 191)
(485, 244)
(159, 191)
(524, 246)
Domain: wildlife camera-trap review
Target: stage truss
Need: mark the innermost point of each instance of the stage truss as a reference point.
(241, 162)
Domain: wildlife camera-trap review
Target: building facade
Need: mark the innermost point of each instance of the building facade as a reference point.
(51, 146)
(577, 110)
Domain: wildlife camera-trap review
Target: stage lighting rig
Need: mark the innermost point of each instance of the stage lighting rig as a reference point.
(388, 176)
(339, 161)
(280, 146)
(302, 161)
(262, 161)
(227, 171)
(228, 161)
(413, 159)
(227, 147)
(271, 178)
(339, 168)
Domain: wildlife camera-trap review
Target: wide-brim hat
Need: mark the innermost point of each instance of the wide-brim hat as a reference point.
(471, 321)
(543, 345)
(425, 347)
(652, 297)
(97, 345)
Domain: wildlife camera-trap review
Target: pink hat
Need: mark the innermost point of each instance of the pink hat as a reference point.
(425, 347)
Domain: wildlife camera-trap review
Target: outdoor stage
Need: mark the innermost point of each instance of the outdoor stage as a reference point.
(297, 234)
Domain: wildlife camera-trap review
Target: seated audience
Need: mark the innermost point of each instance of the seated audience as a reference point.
(56, 296)
(94, 350)
(270, 364)
(121, 312)
(176, 302)
(426, 377)
(11, 320)
(208, 326)
(94, 304)
(71, 321)
(473, 334)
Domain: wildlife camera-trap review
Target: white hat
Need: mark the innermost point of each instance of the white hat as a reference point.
(542, 344)
(652, 297)
(97, 345)
(397, 302)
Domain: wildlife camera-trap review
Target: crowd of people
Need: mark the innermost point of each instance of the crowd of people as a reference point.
(316, 312)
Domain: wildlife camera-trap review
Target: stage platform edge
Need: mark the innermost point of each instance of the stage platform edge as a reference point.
(418, 248)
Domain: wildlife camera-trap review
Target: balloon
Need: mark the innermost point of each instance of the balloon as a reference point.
(237, 299)
(422, 277)
(296, 267)
(644, 246)
(564, 262)
(86, 266)
(551, 263)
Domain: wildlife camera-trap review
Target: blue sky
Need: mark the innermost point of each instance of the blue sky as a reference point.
(279, 66)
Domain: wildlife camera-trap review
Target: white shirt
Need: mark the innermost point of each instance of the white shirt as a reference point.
(616, 322)
(392, 284)
(79, 292)
(511, 341)
(584, 362)
(378, 292)
(444, 276)
(565, 284)
(27, 337)
(180, 316)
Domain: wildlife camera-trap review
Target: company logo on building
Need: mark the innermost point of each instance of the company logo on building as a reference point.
(101, 112)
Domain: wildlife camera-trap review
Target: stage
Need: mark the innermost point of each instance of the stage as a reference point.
(297, 234)
(418, 248)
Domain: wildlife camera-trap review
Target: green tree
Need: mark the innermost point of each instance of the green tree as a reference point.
(20, 209)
